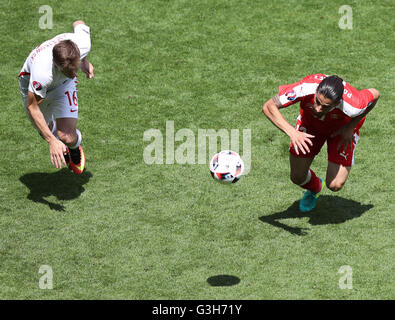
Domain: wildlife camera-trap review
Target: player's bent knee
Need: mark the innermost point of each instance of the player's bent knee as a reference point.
(297, 179)
(67, 138)
(335, 185)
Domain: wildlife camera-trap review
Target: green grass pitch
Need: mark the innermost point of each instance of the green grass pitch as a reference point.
(129, 230)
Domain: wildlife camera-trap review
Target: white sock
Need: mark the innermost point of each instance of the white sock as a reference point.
(78, 140)
(307, 178)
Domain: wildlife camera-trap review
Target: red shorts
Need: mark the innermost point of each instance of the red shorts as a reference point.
(336, 156)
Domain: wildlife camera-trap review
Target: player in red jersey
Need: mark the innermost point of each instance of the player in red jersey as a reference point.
(331, 111)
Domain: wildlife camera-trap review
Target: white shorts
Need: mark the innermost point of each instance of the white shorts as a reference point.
(61, 102)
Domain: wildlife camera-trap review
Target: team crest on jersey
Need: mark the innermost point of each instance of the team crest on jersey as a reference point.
(37, 85)
(291, 95)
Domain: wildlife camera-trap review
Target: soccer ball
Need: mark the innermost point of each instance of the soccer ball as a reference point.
(227, 166)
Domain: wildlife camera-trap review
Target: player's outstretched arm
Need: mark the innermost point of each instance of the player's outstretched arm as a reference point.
(77, 22)
(300, 140)
(347, 132)
(375, 93)
(376, 97)
(56, 147)
(87, 68)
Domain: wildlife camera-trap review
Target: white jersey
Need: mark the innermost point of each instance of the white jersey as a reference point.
(44, 76)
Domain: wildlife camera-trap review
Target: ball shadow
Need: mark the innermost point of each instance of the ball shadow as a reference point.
(223, 280)
(330, 210)
(63, 184)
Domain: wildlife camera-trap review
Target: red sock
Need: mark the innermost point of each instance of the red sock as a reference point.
(314, 184)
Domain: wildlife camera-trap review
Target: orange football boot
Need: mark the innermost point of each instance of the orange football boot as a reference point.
(77, 160)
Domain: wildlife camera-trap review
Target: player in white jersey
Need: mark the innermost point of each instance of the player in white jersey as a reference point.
(48, 86)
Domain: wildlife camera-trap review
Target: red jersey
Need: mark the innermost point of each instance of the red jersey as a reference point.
(352, 104)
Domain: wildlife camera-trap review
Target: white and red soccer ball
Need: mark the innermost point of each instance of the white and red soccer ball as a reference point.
(227, 166)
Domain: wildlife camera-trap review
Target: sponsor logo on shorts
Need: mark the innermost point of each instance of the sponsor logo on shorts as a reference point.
(291, 95)
(37, 85)
(343, 155)
(73, 110)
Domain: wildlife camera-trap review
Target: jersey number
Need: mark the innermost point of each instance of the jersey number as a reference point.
(72, 98)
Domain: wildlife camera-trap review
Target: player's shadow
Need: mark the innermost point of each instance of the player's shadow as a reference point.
(329, 210)
(63, 184)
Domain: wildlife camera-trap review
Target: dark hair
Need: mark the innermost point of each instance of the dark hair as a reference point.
(332, 88)
(65, 54)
